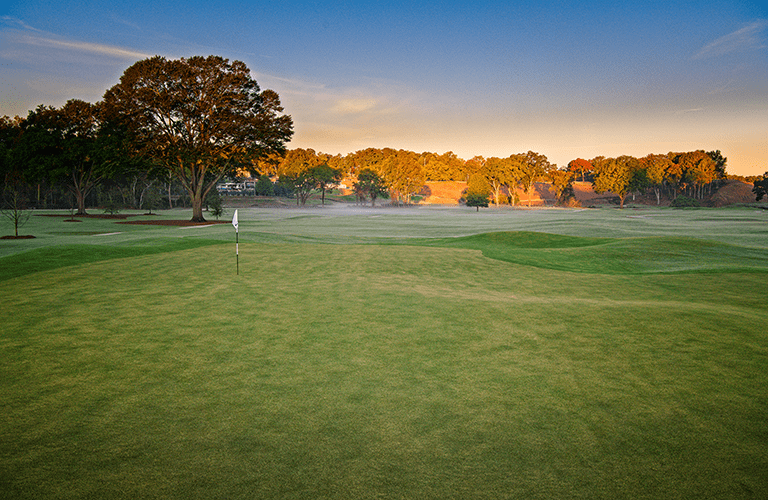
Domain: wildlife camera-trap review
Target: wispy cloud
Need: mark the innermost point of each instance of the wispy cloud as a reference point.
(751, 36)
(91, 48)
(16, 23)
(22, 34)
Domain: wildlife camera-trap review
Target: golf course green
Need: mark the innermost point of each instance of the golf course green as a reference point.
(387, 353)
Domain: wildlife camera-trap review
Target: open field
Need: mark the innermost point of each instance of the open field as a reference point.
(425, 352)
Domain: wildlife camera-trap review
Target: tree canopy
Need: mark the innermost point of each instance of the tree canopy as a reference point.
(200, 118)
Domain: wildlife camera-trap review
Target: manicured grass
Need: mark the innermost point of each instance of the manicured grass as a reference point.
(572, 364)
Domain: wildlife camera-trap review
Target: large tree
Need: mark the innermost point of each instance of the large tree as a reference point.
(200, 118)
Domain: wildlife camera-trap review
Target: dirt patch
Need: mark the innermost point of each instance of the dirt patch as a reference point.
(442, 193)
(181, 223)
(27, 237)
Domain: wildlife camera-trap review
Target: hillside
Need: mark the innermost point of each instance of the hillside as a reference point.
(448, 193)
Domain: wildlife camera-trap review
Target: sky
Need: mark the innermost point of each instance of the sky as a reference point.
(491, 78)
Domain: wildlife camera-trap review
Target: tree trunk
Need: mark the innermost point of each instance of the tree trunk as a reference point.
(197, 207)
(80, 196)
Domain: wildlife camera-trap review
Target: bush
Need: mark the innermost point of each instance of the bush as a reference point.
(214, 203)
(264, 187)
(684, 202)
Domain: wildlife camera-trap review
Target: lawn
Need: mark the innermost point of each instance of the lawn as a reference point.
(388, 353)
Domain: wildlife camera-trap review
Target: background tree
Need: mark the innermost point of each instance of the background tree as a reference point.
(73, 145)
(445, 167)
(760, 187)
(562, 186)
(478, 191)
(370, 185)
(15, 189)
(655, 167)
(533, 166)
(200, 118)
(296, 168)
(325, 177)
(581, 166)
(615, 175)
(301, 184)
(403, 175)
(264, 186)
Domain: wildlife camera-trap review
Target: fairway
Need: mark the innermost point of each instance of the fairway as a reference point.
(388, 353)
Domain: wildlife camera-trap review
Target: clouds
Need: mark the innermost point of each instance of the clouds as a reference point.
(750, 37)
(24, 38)
(82, 47)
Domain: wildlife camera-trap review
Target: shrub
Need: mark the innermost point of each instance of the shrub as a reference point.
(684, 202)
(264, 186)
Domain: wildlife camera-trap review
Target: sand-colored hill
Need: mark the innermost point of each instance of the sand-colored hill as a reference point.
(449, 192)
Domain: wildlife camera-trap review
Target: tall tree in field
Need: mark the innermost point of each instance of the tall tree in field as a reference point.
(445, 167)
(533, 166)
(200, 118)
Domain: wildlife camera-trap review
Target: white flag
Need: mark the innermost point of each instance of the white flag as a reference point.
(234, 222)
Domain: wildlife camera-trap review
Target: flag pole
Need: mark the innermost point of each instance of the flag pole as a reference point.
(237, 241)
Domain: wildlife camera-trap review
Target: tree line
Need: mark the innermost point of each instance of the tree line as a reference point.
(172, 129)
(402, 174)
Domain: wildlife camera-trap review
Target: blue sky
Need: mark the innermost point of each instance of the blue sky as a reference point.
(565, 79)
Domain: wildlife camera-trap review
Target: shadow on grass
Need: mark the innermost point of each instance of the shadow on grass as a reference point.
(44, 259)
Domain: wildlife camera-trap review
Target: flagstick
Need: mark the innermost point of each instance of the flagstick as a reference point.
(237, 240)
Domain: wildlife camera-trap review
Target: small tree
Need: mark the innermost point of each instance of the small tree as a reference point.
(477, 200)
(478, 192)
(214, 203)
(264, 186)
(110, 200)
(14, 205)
(151, 198)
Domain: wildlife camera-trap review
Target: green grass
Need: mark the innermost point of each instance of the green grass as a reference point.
(355, 358)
